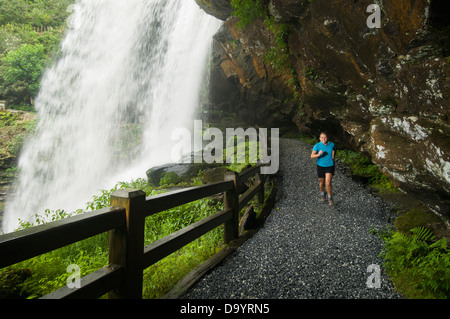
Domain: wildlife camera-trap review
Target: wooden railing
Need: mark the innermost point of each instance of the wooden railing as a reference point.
(124, 219)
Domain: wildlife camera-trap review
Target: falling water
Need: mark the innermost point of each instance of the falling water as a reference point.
(129, 73)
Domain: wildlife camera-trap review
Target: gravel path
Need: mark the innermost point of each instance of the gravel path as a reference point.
(306, 249)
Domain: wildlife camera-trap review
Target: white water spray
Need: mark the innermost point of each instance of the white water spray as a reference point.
(129, 71)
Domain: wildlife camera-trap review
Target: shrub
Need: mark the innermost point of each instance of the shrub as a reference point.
(21, 72)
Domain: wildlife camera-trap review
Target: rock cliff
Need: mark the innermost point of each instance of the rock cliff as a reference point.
(317, 64)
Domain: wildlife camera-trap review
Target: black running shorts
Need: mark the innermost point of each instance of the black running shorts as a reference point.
(321, 171)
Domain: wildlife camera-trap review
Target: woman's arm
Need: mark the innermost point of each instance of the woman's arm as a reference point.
(314, 154)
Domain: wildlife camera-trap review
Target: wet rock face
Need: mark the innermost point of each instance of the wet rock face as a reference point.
(287, 10)
(384, 91)
(414, 152)
(221, 9)
(241, 84)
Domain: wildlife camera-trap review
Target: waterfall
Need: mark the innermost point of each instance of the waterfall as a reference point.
(129, 73)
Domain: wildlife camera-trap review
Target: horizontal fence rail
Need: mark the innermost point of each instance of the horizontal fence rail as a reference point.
(165, 201)
(30, 242)
(124, 219)
(169, 244)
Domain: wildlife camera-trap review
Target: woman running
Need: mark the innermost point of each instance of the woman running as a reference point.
(324, 152)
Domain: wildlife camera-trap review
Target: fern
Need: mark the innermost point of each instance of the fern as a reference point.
(423, 233)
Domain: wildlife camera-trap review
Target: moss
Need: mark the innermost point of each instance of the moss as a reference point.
(248, 11)
(415, 217)
(406, 283)
(169, 178)
(278, 57)
(363, 169)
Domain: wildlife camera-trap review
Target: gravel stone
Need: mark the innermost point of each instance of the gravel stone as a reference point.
(306, 249)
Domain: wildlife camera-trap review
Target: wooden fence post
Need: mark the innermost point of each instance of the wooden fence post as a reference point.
(231, 200)
(261, 179)
(126, 244)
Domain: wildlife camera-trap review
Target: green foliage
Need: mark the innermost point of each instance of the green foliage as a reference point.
(12, 36)
(103, 199)
(419, 259)
(361, 165)
(311, 73)
(169, 179)
(247, 11)
(160, 277)
(8, 119)
(237, 157)
(309, 140)
(30, 33)
(13, 130)
(49, 270)
(21, 71)
(46, 217)
(34, 12)
(278, 56)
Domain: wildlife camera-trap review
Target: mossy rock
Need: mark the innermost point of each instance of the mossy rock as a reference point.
(176, 173)
(169, 178)
(215, 174)
(414, 218)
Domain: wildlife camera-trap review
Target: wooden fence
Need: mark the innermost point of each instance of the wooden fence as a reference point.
(125, 219)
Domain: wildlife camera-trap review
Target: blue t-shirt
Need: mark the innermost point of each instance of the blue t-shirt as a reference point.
(326, 159)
